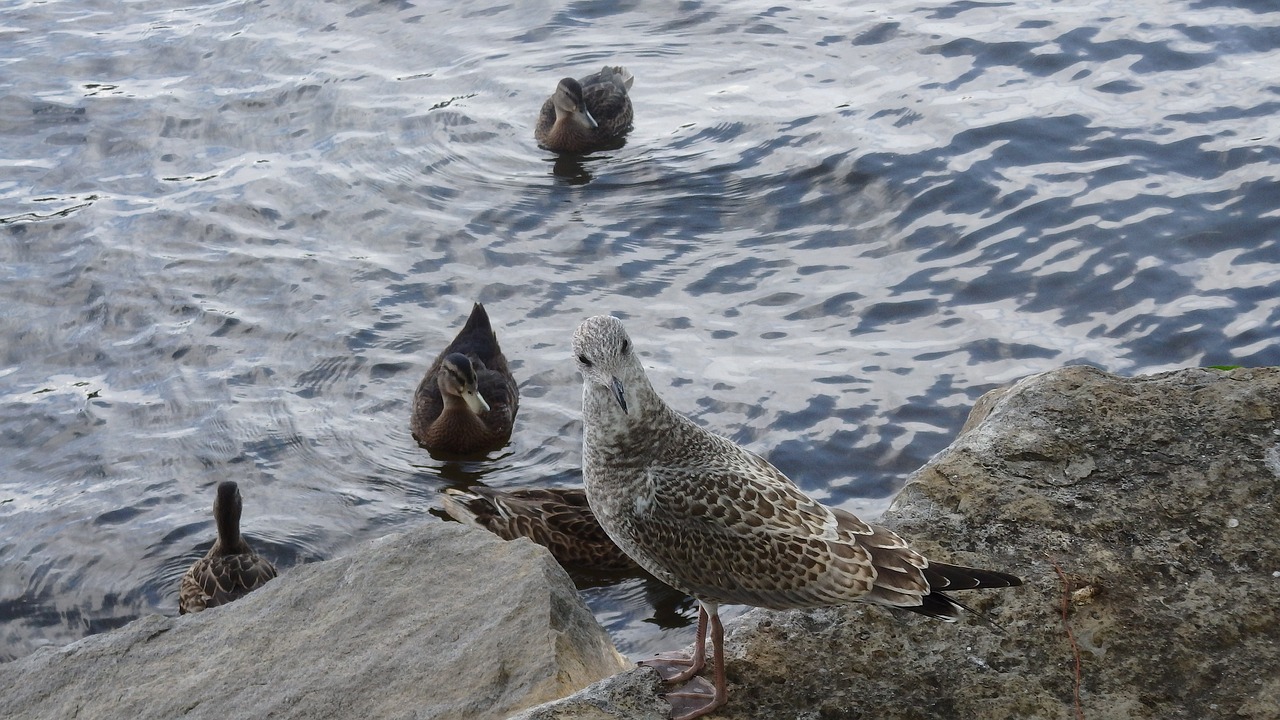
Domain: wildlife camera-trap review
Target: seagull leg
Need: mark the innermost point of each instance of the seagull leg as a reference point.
(676, 667)
(697, 698)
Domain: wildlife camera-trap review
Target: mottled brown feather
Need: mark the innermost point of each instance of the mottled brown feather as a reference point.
(230, 569)
(557, 518)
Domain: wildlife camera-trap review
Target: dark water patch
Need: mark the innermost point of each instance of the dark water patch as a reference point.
(955, 9)
(118, 516)
(881, 33)
(888, 313)
(734, 277)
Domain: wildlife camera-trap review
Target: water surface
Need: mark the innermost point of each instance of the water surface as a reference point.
(235, 234)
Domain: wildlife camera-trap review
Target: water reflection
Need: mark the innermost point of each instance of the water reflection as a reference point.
(668, 609)
(572, 169)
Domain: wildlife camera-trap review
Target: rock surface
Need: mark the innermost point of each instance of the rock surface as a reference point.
(1140, 512)
(440, 622)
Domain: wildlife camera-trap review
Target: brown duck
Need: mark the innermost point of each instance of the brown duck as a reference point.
(467, 402)
(556, 518)
(588, 114)
(231, 569)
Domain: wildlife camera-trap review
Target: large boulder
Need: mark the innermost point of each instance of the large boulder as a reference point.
(1142, 514)
(439, 622)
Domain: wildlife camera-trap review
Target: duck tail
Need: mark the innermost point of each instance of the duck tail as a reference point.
(623, 75)
(478, 321)
(468, 508)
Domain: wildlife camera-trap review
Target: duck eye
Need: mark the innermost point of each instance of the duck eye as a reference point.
(626, 346)
(583, 359)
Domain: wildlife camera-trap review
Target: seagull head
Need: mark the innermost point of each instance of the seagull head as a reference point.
(604, 356)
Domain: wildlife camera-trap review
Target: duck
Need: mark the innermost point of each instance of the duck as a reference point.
(231, 569)
(466, 403)
(556, 518)
(591, 113)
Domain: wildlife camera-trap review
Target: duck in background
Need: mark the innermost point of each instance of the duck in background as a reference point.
(588, 114)
(466, 403)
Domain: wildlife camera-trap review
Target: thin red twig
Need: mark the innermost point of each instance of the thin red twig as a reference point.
(1075, 647)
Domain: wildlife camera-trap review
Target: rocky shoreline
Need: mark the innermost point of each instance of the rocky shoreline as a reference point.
(440, 622)
(1140, 512)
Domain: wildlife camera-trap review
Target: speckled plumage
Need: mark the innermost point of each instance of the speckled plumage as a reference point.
(720, 523)
(467, 401)
(556, 518)
(231, 569)
(587, 114)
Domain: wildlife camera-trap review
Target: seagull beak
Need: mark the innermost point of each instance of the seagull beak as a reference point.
(475, 402)
(618, 394)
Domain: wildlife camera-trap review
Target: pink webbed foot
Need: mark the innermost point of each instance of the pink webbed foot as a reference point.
(694, 699)
(698, 696)
(677, 667)
(674, 667)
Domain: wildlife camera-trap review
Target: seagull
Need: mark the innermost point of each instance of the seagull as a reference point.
(718, 522)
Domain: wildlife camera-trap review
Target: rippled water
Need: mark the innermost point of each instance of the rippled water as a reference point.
(234, 234)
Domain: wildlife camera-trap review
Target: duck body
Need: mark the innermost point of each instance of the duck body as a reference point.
(466, 403)
(591, 113)
(556, 518)
(230, 569)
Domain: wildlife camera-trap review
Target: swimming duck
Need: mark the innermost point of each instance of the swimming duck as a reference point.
(231, 569)
(587, 114)
(467, 401)
(556, 518)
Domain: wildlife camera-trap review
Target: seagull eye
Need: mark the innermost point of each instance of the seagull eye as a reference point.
(585, 362)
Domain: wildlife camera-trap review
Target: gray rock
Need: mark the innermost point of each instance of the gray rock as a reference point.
(634, 695)
(440, 622)
(1142, 514)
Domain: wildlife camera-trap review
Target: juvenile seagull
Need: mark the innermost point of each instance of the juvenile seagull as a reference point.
(556, 518)
(466, 403)
(231, 569)
(720, 523)
(587, 114)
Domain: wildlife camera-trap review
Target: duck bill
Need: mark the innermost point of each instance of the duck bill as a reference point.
(618, 393)
(475, 402)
